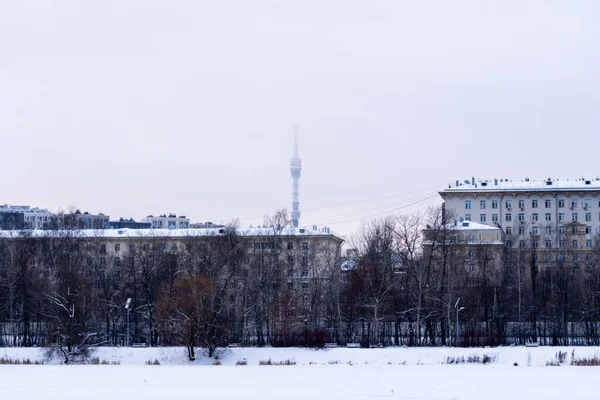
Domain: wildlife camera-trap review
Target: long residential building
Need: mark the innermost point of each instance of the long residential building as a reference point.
(558, 218)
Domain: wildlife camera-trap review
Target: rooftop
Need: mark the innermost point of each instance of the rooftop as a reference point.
(507, 185)
(166, 233)
(466, 225)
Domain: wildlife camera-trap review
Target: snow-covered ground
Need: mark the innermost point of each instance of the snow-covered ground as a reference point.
(414, 373)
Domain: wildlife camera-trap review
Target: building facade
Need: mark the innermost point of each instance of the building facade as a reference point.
(130, 223)
(172, 221)
(86, 220)
(556, 220)
(33, 217)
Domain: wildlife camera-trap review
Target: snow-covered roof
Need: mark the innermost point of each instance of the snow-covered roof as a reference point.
(470, 225)
(167, 233)
(506, 185)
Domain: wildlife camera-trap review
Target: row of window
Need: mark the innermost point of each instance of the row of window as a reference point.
(535, 230)
(547, 258)
(549, 243)
(273, 245)
(587, 203)
(534, 217)
(163, 246)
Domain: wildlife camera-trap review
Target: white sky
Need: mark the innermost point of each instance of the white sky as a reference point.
(147, 107)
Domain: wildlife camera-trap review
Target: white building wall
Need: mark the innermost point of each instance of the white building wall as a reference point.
(535, 210)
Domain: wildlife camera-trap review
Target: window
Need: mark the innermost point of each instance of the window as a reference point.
(468, 204)
(573, 204)
(522, 243)
(521, 204)
(471, 253)
(588, 243)
(534, 217)
(103, 261)
(588, 257)
(561, 243)
(535, 244)
(521, 217)
(521, 230)
(290, 259)
(575, 243)
(174, 247)
(132, 248)
(561, 217)
(471, 268)
(508, 217)
(482, 204)
(548, 203)
(494, 217)
(117, 261)
(574, 230)
(561, 256)
(575, 257)
(468, 217)
(561, 203)
(588, 217)
(290, 245)
(587, 204)
(548, 230)
(548, 244)
(482, 218)
(548, 257)
(117, 248)
(508, 230)
(304, 261)
(494, 204)
(304, 245)
(509, 244)
(102, 249)
(507, 204)
(574, 217)
(588, 230)
(561, 230)
(534, 204)
(548, 217)
(535, 230)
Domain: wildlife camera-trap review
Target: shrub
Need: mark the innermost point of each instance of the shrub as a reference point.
(242, 362)
(586, 362)
(217, 363)
(14, 361)
(559, 359)
(473, 359)
(284, 362)
(150, 362)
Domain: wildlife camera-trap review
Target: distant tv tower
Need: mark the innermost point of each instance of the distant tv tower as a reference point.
(295, 169)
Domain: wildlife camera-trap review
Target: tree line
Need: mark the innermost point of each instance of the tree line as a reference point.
(396, 287)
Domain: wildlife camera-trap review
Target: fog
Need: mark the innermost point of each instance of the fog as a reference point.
(146, 107)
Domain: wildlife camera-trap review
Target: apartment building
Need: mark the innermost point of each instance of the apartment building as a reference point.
(558, 218)
(86, 220)
(32, 217)
(172, 221)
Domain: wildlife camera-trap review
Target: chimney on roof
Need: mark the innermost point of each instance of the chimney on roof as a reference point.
(473, 181)
(456, 183)
(496, 181)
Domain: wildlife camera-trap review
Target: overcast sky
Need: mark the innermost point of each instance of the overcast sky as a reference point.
(147, 107)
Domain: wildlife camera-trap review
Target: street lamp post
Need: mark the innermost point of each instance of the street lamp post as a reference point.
(457, 326)
(127, 303)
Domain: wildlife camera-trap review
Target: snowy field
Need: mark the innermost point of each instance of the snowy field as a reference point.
(418, 373)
